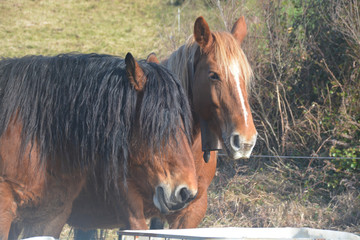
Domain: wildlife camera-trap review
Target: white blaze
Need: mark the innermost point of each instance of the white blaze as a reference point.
(235, 71)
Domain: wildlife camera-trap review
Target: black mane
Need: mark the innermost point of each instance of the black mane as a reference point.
(82, 108)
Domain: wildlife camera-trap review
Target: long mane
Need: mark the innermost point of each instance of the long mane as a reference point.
(81, 108)
(226, 48)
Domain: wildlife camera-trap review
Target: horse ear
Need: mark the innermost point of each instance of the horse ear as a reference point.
(134, 72)
(239, 29)
(202, 33)
(152, 58)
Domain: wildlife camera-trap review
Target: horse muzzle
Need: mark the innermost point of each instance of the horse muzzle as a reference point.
(238, 147)
(168, 201)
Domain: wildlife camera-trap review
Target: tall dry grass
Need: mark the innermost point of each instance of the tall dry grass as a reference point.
(278, 194)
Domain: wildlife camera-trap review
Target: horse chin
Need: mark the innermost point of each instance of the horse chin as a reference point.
(160, 204)
(239, 155)
(236, 155)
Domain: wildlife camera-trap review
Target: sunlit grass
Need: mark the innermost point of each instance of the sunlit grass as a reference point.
(51, 27)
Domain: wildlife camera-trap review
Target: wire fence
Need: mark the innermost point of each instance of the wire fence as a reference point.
(299, 157)
(305, 157)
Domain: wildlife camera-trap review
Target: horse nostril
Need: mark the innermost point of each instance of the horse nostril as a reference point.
(184, 194)
(235, 141)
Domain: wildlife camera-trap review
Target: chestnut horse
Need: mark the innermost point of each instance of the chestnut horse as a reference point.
(216, 75)
(68, 117)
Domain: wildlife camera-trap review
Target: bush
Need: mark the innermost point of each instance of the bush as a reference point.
(306, 60)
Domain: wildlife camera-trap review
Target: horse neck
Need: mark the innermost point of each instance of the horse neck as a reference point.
(181, 63)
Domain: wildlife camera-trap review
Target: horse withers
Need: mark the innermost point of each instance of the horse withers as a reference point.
(71, 116)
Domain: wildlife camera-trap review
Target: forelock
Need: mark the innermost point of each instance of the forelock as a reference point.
(227, 52)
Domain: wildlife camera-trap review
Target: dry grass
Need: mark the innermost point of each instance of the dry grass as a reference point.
(276, 195)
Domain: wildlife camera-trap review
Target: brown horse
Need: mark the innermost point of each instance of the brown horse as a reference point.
(216, 75)
(68, 117)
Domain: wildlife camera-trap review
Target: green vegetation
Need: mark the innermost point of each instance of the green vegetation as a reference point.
(305, 98)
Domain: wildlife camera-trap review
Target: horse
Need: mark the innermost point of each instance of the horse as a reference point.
(216, 76)
(65, 118)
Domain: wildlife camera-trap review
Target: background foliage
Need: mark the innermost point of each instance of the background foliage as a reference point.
(305, 97)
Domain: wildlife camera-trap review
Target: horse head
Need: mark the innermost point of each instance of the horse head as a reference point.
(222, 76)
(164, 121)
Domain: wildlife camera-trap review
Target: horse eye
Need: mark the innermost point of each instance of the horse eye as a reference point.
(214, 76)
